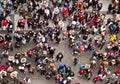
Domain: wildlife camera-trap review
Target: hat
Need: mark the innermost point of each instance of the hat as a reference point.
(44, 2)
(113, 60)
(105, 54)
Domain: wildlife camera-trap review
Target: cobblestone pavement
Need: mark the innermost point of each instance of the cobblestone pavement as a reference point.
(67, 52)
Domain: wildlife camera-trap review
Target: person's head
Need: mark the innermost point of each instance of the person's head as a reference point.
(117, 82)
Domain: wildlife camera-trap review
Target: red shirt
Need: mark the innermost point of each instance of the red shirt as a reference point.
(81, 18)
(96, 20)
(111, 54)
(119, 30)
(22, 22)
(117, 71)
(4, 22)
(96, 78)
(4, 68)
(30, 52)
(64, 11)
(4, 44)
(82, 72)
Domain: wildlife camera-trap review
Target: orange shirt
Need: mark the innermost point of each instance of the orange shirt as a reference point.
(65, 34)
(116, 3)
(80, 6)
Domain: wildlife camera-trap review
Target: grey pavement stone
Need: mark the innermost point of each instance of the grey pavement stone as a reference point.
(67, 52)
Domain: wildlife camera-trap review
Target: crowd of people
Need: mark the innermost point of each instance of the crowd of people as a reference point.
(56, 21)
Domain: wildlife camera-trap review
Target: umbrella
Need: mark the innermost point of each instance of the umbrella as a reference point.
(1, 39)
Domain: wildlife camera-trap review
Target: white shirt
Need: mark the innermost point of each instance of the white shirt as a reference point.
(56, 10)
(47, 11)
(43, 39)
(61, 24)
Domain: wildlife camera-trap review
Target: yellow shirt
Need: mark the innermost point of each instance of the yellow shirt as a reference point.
(112, 39)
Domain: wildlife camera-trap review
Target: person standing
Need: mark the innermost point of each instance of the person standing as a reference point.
(59, 57)
(76, 61)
